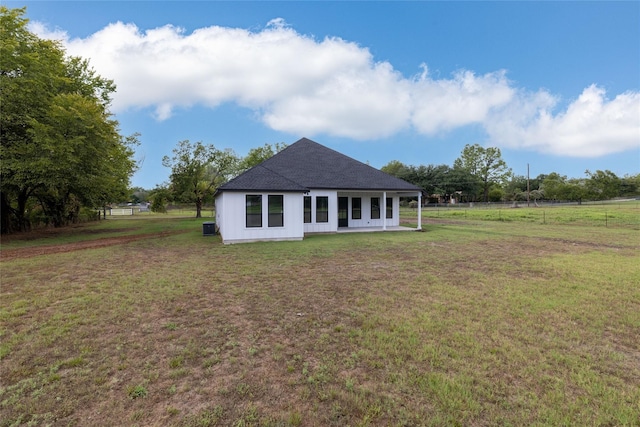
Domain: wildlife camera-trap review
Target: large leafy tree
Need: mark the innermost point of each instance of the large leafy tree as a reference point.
(440, 180)
(86, 161)
(257, 155)
(602, 185)
(60, 149)
(630, 185)
(558, 187)
(554, 186)
(461, 184)
(197, 170)
(484, 163)
(397, 169)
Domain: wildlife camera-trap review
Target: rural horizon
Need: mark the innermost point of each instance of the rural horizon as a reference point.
(472, 295)
(483, 318)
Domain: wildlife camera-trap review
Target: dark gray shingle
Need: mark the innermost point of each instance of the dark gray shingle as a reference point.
(306, 165)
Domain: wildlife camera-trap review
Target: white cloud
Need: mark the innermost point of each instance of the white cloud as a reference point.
(42, 31)
(591, 125)
(441, 105)
(370, 101)
(305, 86)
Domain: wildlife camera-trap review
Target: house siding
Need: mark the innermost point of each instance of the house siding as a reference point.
(366, 220)
(231, 218)
(323, 227)
(231, 215)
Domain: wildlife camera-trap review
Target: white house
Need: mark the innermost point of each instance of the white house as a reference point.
(308, 188)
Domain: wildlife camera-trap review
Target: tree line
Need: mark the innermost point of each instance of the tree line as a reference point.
(61, 152)
(197, 170)
(480, 174)
(62, 155)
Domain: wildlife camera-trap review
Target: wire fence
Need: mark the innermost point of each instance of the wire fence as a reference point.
(619, 214)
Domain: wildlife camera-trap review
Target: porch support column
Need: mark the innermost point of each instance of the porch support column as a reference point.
(420, 210)
(384, 210)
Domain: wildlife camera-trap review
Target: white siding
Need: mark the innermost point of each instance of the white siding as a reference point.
(323, 227)
(231, 215)
(366, 220)
(231, 218)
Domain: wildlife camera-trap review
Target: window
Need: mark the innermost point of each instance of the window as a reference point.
(356, 208)
(389, 207)
(375, 208)
(276, 211)
(322, 209)
(254, 210)
(307, 209)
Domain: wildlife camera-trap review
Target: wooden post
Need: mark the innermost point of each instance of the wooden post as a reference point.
(384, 211)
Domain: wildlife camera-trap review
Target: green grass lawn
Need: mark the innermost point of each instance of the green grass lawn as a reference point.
(467, 323)
(622, 214)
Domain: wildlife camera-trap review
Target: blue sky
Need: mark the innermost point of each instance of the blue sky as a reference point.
(555, 85)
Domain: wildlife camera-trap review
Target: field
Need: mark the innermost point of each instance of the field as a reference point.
(144, 321)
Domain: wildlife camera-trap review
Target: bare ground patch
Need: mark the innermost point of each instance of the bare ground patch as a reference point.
(9, 254)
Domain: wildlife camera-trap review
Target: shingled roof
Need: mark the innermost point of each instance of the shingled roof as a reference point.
(306, 165)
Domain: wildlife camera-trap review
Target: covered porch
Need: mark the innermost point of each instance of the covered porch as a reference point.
(360, 211)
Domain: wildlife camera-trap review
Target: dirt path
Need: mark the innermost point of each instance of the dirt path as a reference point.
(9, 254)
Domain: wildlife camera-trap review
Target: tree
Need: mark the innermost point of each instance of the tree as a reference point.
(553, 186)
(396, 168)
(576, 189)
(496, 193)
(440, 180)
(59, 148)
(602, 185)
(138, 195)
(516, 188)
(255, 156)
(159, 197)
(484, 163)
(84, 158)
(462, 184)
(429, 178)
(197, 170)
(630, 185)
(558, 187)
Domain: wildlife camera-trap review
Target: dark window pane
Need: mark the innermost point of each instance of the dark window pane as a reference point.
(389, 207)
(276, 211)
(356, 208)
(254, 211)
(375, 208)
(307, 209)
(322, 209)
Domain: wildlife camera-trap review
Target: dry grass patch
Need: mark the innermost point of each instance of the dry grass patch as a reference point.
(474, 325)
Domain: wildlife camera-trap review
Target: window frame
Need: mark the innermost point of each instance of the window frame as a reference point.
(375, 208)
(357, 208)
(254, 215)
(389, 213)
(322, 216)
(306, 210)
(271, 215)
